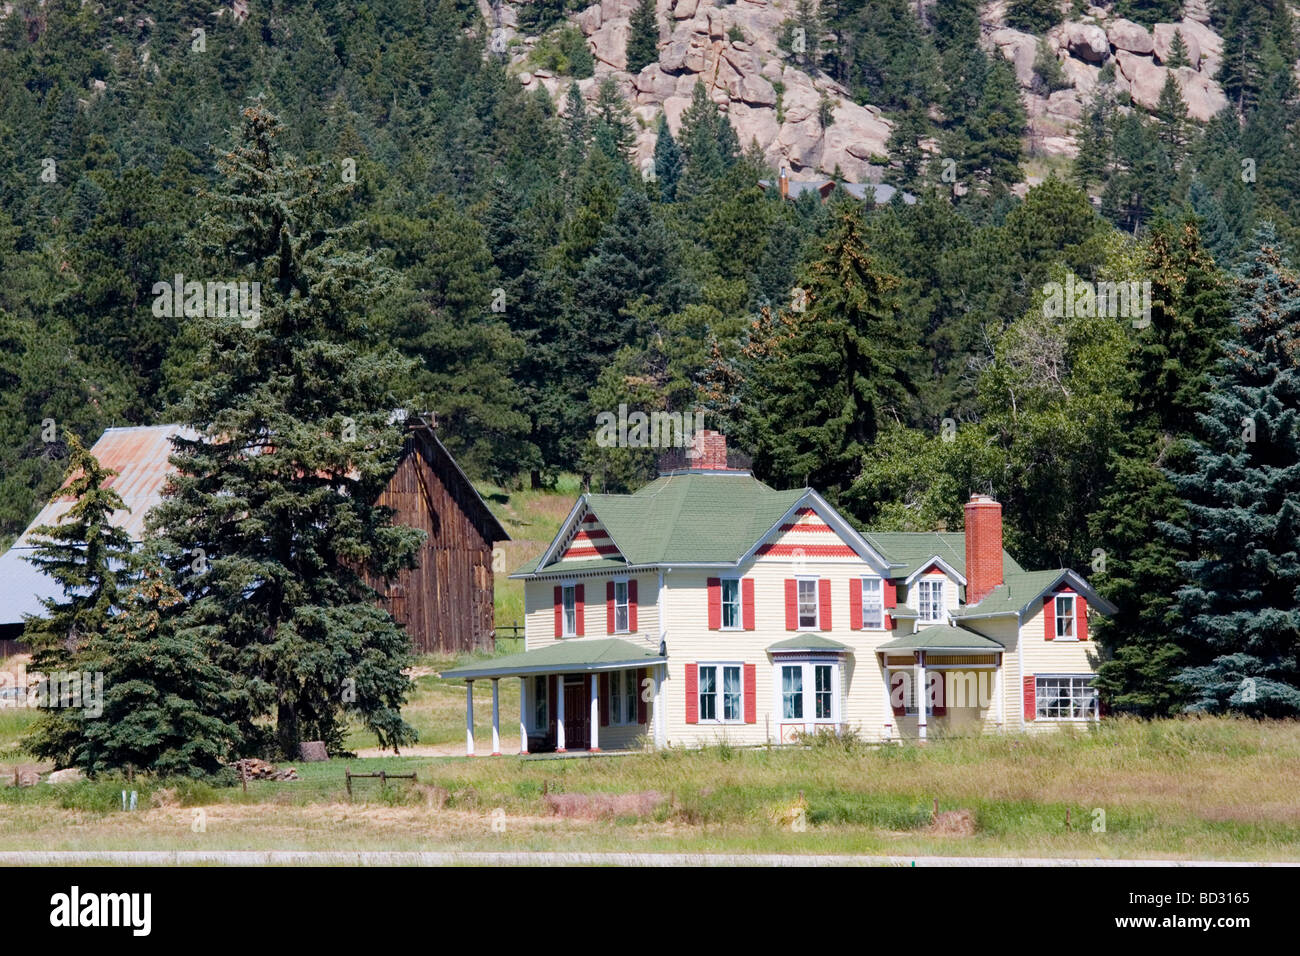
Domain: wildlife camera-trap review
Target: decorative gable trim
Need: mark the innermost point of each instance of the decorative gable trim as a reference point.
(581, 537)
(813, 513)
(942, 565)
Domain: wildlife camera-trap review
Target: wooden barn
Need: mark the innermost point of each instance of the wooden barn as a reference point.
(445, 603)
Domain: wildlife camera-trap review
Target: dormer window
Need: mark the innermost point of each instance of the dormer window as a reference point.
(929, 601)
(1065, 617)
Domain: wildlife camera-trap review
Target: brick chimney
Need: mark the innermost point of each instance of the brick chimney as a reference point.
(983, 547)
(709, 450)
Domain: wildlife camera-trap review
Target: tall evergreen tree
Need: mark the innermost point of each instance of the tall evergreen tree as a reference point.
(643, 37)
(1167, 379)
(823, 379)
(668, 162)
(271, 522)
(1240, 607)
(86, 555)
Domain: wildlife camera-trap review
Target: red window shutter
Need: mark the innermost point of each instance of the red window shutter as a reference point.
(791, 604)
(715, 604)
(898, 678)
(891, 593)
(609, 607)
(747, 602)
(824, 602)
(1081, 617)
(559, 612)
(631, 604)
(604, 698)
(940, 702)
(1030, 699)
(1049, 617)
(751, 696)
(551, 711)
(641, 676)
(692, 693)
(855, 603)
(579, 606)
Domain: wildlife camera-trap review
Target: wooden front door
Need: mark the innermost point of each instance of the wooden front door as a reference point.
(577, 715)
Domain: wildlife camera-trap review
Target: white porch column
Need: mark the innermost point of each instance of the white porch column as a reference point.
(887, 733)
(922, 695)
(661, 672)
(469, 718)
(496, 718)
(559, 714)
(523, 711)
(595, 713)
(1000, 696)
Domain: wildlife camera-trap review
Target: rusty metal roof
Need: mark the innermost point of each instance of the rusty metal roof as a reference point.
(139, 456)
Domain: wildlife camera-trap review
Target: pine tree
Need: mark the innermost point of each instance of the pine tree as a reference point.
(708, 144)
(823, 379)
(1033, 16)
(87, 556)
(1171, 117)
(1178, 55)
(668, 162)
(643, 37)
(1167, 380)
(156, 700)
(271, 523)
(1240, 626)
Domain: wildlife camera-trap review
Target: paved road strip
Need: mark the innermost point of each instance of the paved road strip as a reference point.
(493, 858)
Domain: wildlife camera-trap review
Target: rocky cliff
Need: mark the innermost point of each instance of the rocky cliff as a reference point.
(733, 50)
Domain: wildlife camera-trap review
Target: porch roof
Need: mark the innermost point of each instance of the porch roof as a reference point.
(942, 637)
(568, 656)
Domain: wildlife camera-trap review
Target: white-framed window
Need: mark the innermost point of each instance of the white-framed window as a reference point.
(1065, 697)
(621, 614)
(873, 603)
(732, 618)
(540, 715)
(809, 691)
(792, 692)
(807, 603)
(622, 697)
(721, 693)
(569, 597)
(929, 598)
(1065, 617)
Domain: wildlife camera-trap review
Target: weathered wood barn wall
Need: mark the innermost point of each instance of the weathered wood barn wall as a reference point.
(445, 604)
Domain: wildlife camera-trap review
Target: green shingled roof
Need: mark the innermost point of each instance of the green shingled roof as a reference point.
(574, 655)
(807, 642)
(941, 637)
(1019, 589)
(685, 518)
(912, 549)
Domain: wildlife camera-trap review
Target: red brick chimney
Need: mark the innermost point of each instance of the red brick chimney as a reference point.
(709, 450)
(983, 547)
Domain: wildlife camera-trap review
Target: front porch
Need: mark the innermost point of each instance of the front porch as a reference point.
(942, 680)
(575, 695)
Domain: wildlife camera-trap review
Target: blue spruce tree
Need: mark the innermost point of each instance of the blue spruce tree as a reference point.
(1240, 607)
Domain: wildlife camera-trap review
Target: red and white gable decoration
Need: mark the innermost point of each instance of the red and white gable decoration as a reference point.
(590, 540)
(805, 535)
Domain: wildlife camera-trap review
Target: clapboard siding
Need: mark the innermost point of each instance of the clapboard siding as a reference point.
(445, 603)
